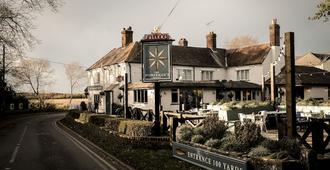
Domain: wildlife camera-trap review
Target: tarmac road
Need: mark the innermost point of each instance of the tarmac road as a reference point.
(36, 143)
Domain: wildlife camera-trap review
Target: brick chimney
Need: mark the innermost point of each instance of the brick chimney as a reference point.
(211, 40)
(183, 42)
(274, 33)
(126, 36)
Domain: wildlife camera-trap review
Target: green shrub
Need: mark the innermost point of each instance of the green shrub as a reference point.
(74, 114)
(98, 120)
(135, 128)
(197, 139)
(248, 134)
(229, 143)
(259, 151)
(198, 131)
(113, 123)
(291, 146)
(214, 143)
(184, 133)
(272, 145)
(214, 128)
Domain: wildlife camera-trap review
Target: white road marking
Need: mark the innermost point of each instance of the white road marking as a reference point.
(100, 161)
(13, 156)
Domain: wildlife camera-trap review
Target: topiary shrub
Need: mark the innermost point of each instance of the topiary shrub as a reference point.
(198, 131)
(248, 134)
(113, 123)
(74, 114)
(259, 151)
(98, 120)
(291, 146)
(214, 143)
(214, 128)
(272, 145)
(229, 143)
(184, 133)
(135, 128)
(197, 139)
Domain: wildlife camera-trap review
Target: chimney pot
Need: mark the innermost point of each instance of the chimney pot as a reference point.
(183, 42)
(211, 40)
(126, 36)
(274, 33)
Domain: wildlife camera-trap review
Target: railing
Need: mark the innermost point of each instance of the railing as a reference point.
(316, 127)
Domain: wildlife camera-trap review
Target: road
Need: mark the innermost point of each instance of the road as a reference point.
(35, 142)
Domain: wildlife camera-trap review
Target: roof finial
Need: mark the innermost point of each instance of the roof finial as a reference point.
(156, 29)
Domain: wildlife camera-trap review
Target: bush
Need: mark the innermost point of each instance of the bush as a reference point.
(214, 143)
(83, 106)
(135, 128)
(98, 120)
(197, 139)
(184, 133)
(229, 143)
(248, 134)
(259, 151)
(272, 145)
(198, 131)
(113, 123)
(291, 146)
(214, 128)
(74, 114)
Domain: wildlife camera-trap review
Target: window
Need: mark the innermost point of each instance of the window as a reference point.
(175, 96)
(141, 96)
(98, 78)
(207, 75)
(184, 74)
(242, 75)
(96, 98)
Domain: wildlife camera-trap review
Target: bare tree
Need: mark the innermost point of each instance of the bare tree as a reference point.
(75, 74)
(242, 41)
(35, 73)
(323, 11)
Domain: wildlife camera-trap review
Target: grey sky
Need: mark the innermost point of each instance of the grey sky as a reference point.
(85, 30)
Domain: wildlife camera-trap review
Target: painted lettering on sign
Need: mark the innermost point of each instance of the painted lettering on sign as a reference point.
(206, 159)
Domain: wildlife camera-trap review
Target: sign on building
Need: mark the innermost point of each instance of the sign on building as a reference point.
(157, 57)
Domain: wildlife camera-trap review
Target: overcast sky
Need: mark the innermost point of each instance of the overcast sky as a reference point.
(85, 30)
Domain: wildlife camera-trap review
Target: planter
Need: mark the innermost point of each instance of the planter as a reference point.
(208, 158)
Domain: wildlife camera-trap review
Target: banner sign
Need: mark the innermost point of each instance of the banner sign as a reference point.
(206, 159)
(156, 61)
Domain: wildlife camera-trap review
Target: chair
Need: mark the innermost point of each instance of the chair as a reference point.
(262, 120)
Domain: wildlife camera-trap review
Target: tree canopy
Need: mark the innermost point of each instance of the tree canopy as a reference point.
(322, 12)
(242, 41)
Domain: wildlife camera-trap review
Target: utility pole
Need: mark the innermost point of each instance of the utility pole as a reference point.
(3, 65)
(290, 84)
(272, 83)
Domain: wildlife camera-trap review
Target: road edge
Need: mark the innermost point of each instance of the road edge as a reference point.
(96, 149)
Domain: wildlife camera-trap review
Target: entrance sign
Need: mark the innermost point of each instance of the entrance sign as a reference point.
(156, 57)
(206, 159)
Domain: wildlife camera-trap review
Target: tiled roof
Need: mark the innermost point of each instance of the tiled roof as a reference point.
(240, 85)
(190, 56)
(247, 55)
(322, 57)
(199, 84)
(306, 75)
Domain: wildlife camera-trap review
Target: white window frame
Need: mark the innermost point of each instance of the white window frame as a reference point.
(207, 75)
(182, 74)
(243, 74)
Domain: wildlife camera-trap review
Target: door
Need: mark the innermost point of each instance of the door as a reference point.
(108, 102)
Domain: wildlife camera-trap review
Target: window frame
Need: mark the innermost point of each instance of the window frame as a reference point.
(207, 75)
(140, 95)
(183, 73)
(175, 91)
(243, 75)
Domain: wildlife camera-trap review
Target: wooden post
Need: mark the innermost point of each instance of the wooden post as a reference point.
(126, 97)
(3, 65)
(164, 119)
(290, 84)
(263, 96)
(272, 83)
(317, 136)
(157, 104)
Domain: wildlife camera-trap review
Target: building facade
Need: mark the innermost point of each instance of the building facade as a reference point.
(200, 75)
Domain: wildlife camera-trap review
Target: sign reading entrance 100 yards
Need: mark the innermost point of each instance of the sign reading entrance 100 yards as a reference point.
(156, 61)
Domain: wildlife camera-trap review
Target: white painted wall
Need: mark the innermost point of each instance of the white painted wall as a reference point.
(255, 73)
(316, 92)
(209, 95)
(146, 106)
(166, 100)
